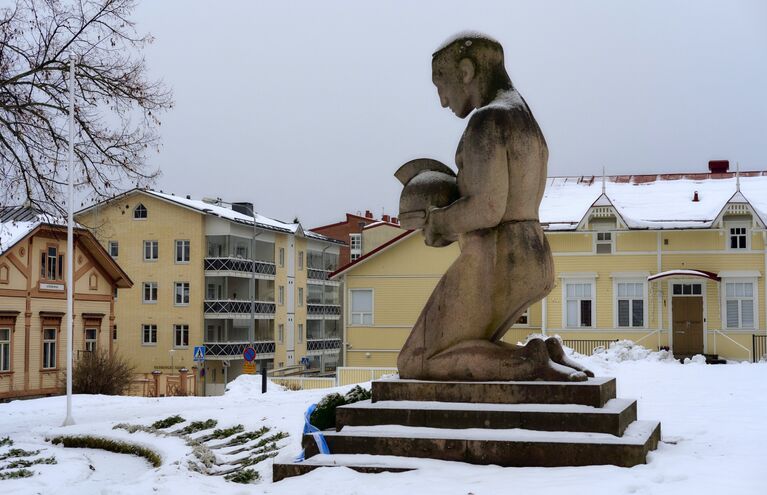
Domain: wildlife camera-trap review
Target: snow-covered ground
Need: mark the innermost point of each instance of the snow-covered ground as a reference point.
(714, 429)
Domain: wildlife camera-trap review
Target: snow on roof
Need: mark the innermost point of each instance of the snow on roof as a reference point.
(659, 202)
(229, 214)
(683, 273)
(12, 232)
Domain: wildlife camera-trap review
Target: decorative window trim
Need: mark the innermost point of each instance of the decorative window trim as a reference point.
(734, 224)
(5, 273)
(94, 340)
(355, 246)
(645, 301)
(755, 298)
(580, 280)
(603, 242)
(93, 281)
(140, 212)
(45, 344)
(6, 364)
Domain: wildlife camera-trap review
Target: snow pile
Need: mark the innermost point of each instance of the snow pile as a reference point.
(696, 359)
(627, 350)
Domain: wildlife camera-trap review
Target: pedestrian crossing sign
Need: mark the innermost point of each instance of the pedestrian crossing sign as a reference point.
(199, 353)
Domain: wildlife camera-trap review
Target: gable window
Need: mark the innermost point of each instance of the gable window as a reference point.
(181, 335)
(182, 251)
(114, 249)
(148, 334)
(361, 306)
(603, 243)
(739, 304)
(355, 246)
(182, 294)
(150, 292)
(5, 349)
(90, 339)
(49, 348)
(151, 250)
(140, 213)
(52, 264)
(738, 236)
(579, 303)
(630, 305)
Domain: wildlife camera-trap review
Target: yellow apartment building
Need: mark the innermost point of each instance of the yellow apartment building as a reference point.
(673, 261)
(198, 265)
(33, 335)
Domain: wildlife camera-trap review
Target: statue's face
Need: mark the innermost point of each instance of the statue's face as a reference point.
(451, 88)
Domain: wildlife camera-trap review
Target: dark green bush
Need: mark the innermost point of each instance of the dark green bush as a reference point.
(168, 422)
(116, 446)
(196, 426)
(324, 416)
(243, 476)
(12, 475)
(6, 441)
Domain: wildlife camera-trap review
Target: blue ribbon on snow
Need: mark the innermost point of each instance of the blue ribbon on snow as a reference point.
(319, 438)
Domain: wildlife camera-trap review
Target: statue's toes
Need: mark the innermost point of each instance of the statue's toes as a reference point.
(589, 373)
(578, 376)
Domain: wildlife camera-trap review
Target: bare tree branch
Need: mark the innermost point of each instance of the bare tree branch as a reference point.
(116, 114)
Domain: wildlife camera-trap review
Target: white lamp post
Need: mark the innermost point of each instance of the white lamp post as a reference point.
(69, 420)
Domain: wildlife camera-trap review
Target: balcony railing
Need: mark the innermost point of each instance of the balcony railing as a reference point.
(234, 350)
(239, 265)
(238, 306)
(323, 310)
(323, 344)
(317, 274)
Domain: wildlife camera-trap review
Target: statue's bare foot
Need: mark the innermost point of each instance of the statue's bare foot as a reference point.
(557, 354)
(549, 369)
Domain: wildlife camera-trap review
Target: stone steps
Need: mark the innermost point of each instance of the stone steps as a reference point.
(613, 418)
(501, 447)
(594, 392)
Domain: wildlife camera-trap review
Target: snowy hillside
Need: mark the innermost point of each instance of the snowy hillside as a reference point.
(713, 427)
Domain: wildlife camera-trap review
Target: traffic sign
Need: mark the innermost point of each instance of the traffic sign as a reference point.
(249, 354)
(199, 353)
(249, 368)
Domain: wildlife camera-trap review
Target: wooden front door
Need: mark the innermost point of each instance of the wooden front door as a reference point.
(687, 313)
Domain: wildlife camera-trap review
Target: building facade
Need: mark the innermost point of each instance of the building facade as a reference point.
(352, 232)
(33, 334)
(203, 270)
(673, 261)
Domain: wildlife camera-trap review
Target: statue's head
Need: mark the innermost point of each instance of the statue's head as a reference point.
(468, 72)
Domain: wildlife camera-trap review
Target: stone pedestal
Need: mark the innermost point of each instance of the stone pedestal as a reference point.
(503, 423)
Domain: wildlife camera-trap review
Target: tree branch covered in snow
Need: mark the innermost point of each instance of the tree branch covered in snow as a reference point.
(116, 110)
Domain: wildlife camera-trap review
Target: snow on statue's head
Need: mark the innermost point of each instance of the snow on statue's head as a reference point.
(467, 64)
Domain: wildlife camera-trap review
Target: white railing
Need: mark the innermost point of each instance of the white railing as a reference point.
(718, 332)
(304, 383)
(347, 375)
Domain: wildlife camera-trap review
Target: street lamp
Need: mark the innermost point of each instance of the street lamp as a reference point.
(69, 420)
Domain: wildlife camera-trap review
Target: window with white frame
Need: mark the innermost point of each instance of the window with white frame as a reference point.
(281, 257)
(52, 264)
(524, 318)
(300, 296)
(90, 339)
(737, 236)
(300, 332)
(281, 333)
(114, 249)
(151, 250)
(5, 349)
(361, 306)
(180, 335)
(630, 304)
(355, 246)
(140, 213)
(149, 292)
(182, 251)
(182, 294)
(49, 348)
(281, 295)
(149, 334)
(603, 242)
(579, 303)
(300, 260)
(739, 304)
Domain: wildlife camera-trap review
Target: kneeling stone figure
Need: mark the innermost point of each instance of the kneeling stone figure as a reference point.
(490, 207)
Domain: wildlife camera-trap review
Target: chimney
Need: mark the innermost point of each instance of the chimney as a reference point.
(368, 214)
(243, 207)
(395, 220)
(718, 166)
(386, 218)
(695, 197)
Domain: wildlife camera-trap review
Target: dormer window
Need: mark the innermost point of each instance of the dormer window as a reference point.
(737, 236)
(604, 243)
(140, 213)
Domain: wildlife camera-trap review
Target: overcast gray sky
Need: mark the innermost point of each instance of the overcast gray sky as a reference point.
(307, 108)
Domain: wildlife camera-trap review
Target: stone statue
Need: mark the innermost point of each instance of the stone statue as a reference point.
(491, 209)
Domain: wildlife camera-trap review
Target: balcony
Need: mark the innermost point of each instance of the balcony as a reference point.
(323, 310)
(322, 346)
(237, 309)
(238, 267)
(233, 350)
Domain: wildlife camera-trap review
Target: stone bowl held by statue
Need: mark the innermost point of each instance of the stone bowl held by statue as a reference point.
(427, 184)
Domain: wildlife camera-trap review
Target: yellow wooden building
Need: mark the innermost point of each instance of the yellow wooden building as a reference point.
(674, 261)
(33, 301)
(193, 262)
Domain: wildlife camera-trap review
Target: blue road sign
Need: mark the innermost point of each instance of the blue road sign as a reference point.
(199, 353)
(249, 354)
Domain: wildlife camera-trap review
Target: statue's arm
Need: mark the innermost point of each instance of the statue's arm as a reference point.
(484, 179)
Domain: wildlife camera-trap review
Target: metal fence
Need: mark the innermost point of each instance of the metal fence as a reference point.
(758, 347)
(239, 265)
(237, 306)
(323, 309)
(587, 346)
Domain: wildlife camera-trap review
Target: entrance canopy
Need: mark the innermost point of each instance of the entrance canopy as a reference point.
(685, 273)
